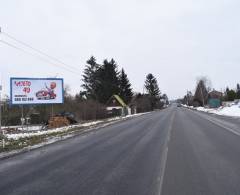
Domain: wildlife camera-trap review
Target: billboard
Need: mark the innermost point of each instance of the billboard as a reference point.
(36, 90)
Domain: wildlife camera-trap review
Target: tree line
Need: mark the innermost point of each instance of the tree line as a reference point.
(100, 82)
(202, 93)
(232, 94)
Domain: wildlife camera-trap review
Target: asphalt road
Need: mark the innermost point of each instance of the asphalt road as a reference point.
(171, 152)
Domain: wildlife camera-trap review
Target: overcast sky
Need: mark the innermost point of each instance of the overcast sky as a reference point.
(175, 40)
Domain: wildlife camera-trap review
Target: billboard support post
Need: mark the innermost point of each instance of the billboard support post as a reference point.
(0, 109)
(52, 110)
(1, 130)
(22, 116)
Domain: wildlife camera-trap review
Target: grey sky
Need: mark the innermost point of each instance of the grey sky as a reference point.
(175, 40)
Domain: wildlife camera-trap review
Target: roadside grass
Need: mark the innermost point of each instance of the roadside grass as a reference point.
(21, 143)
(12, 144)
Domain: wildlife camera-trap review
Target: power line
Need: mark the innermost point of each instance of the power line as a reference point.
(38, 51)
(41, 58)
(63, 65)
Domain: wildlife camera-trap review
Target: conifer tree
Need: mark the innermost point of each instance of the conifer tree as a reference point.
(108, 82)
(125, 87)
(90, 78)
(238, 92)
(152, 88)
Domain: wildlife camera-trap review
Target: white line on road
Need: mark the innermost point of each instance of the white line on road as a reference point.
(165, 155)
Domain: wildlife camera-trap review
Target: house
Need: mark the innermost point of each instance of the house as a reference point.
(117, 107)
(215, 94)
(214, 99)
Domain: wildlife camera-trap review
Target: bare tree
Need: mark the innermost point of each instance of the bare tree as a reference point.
(202, 89)
(207, 82)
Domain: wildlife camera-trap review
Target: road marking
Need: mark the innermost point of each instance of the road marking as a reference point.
(165, 155)
(220, 125)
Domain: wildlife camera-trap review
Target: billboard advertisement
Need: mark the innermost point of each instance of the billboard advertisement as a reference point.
(36, 90)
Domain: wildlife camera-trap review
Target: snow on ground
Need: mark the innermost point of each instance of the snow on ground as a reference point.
(37, 131)
(232, 110)
(25, 128)
(17, 136)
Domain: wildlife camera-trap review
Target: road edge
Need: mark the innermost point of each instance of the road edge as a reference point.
(53, 140)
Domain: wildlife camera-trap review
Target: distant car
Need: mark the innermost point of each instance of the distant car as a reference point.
(179, 105)
(45, 95)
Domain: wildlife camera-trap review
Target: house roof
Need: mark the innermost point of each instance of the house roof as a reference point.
(216, 94)
(117, 97)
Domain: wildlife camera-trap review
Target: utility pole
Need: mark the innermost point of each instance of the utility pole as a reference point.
(52, 110)
(0, 108)
(0, 102)
(1, 130)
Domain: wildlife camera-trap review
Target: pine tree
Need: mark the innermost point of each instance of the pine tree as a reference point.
(238, 86)
(231, 95)
(108, 82)
(90, 78)
(152, 88)
(165, 98)
(81, 96)
(125, 87)
(238, 92)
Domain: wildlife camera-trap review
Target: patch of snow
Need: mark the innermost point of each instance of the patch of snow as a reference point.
(232, 110)
(24, 128)
(89, 124)
(17, 136)
(135, 115)
(10, 127)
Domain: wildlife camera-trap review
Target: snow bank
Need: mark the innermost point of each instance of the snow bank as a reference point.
(233, 110)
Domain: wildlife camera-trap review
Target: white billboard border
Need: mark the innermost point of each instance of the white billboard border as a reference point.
(25, 78)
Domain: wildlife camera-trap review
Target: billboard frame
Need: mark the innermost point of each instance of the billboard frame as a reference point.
(28, 78)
